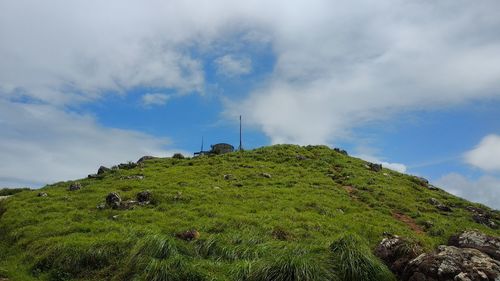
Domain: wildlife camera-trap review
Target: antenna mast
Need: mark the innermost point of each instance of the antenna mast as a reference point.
(241, 146)
(201, 144)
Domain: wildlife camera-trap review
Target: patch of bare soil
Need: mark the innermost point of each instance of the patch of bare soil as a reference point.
(409, 222)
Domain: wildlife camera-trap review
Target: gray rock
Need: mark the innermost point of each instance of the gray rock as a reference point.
(228, 177)
(145, 158)
(42, 194)
(75, 186)
(476, 240)
(397, 252)
(449, 263)
(144, 197)
(439, 205)
(266, 175)
(341, 151)
(102, 170)
(374, 167)
(113, 200)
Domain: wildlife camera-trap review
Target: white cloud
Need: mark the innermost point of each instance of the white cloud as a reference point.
(155, 99)
(484, 190)
(230, 65)
(398, 167)
(486, 155)
(40, 144)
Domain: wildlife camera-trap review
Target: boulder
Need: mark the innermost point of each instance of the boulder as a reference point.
(188, 235)
(374, 167)
(439, 205)
(75, 186)
(113, 200)
(102, 170)
(482, 216)
(127, 166)
(42, 194)
(449, 263)
(145, 158)
(341, 151)
(266, 175)
(476, 240)
(228, 177)
(144, 197)
(397, 252)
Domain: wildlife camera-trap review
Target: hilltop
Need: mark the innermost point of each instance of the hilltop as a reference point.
(282, 212)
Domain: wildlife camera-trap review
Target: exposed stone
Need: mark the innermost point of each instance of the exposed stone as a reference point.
(374, 167)
(188, 235)
(94, 176)
(341, 151)
(144, 197)
(113, 200)
(42, 194)
(75, 186)
(127, 166)
(476, 240)
(439, 205)
(133, 177)
(228, 177)
(145, 158)
(397, 252)
(101, 206)
(449, 263)
(482, 216)
(103, 170)
(266, 175)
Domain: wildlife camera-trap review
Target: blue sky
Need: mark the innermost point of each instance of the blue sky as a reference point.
(412, 85)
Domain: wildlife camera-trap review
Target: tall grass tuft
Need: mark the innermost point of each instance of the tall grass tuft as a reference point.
(353, 261)
(290, 266)
(157, 258)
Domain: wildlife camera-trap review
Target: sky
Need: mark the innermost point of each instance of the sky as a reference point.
(414, 85)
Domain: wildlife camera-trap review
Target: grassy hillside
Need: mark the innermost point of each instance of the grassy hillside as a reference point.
(275, 213)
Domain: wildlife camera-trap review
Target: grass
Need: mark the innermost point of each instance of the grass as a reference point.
(11, 191)
(250, 226)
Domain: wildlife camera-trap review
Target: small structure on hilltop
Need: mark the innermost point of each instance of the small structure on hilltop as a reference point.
(219, 148)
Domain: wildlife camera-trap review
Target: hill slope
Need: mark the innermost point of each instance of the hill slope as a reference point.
(238, 216)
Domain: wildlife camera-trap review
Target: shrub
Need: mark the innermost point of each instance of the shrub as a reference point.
(290, 266)
(11, 191)
(178, 156)
(353, 261)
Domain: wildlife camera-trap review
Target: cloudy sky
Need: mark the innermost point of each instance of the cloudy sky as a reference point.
(412, 84)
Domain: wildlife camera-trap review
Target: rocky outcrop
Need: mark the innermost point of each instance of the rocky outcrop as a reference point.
(103, 170)
(397, 252)
(436, 203)
(75, 186)
(113, 200)
(42, 194)
(470, 256)
(476, 240)
(144, 197)
(374, 167)
(145, 158)
(483, 217)
(449, 263)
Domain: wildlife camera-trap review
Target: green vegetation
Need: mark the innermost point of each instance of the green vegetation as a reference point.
(283, 212)
(11, 191)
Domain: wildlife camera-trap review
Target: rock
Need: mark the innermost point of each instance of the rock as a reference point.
(102, 170)
(374, 167)
(301, 157)
(397, 252)
(75, 186)
(113, 200)
(127, 205)
(133, 177)
(42, 194)
(341, 151)
(145, 158)
(266, 175)
(188, 235)
(144, 197)
(127, 166)
(94, 176)
(228, 177)
(476, 240)
(432, 187)
(115, 217)
(439, 206)
(101, 206)
(449, 263)
(422, 181)
(482, 216)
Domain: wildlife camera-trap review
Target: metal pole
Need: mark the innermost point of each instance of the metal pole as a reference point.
(241, 146)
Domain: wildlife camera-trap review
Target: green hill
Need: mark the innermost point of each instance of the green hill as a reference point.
(283, 212)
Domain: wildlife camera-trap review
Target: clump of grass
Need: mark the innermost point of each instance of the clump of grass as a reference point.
(353, 261)
(157, 258)
(11, 191)
(289, 266)
(63, 261)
